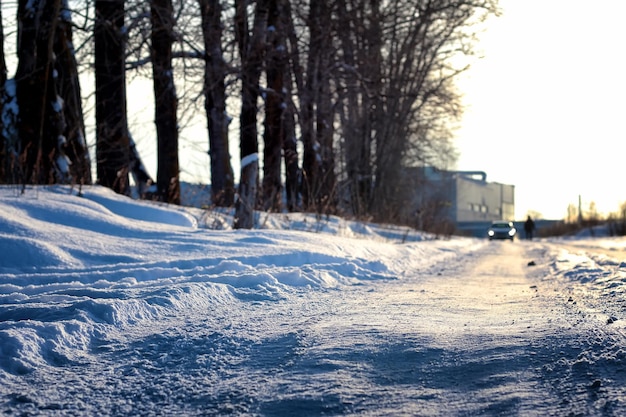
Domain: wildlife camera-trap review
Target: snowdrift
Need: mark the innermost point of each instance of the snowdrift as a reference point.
(78, 271)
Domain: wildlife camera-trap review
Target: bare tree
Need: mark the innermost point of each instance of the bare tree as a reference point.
(166, 101)
(5, 153)
(222, 176)
(47, 132)
(112, 138)
(251, 49)
(373, 85)
(325, 197)
(395, 82)
(275, 105)
(355, 101)
(70, 92)
(315, 111)
(40, 122)
(418, 101)
(294, 183)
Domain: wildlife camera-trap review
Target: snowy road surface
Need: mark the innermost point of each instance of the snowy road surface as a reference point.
(105, 316)
(479, 335)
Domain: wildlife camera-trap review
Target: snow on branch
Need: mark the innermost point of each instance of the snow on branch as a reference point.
(249, 159)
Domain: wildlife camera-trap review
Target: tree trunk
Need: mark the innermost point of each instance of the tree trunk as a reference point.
(290, 156)
(376, 117)
(355, 104)
(293, 183)
(326, 196)
(311, 158)
(112, 139)
(222, 176)
(68, 86)
(140, 175)
(166, 101)
(274, 107)
(5, 159)
(40, 121)
(317, 114)
(251, 49)
(30, 85)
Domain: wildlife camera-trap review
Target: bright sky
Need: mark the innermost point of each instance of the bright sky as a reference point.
(545, 105)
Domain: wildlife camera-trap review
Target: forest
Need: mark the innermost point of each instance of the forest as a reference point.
(329, 101)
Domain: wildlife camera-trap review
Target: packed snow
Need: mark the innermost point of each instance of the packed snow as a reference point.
(113, 306)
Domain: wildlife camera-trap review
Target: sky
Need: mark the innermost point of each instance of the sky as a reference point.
(545, 105)
(114, 306)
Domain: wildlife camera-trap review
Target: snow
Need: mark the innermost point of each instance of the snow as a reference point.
(10, 110)
(58, 104)
(66, 13)
(249, 159)
(113, 306)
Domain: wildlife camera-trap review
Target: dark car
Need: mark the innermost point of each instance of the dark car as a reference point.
(501, 230)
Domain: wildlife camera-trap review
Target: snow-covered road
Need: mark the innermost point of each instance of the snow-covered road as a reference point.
(507, 341)
(480, 334)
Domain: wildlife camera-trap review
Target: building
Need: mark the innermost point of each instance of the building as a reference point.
(463, 200)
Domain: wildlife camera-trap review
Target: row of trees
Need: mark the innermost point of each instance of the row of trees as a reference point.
(347, 92)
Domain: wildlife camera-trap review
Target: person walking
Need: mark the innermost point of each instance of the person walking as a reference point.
(529, 228)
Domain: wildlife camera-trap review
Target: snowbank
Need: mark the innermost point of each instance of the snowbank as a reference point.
(77, 271)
